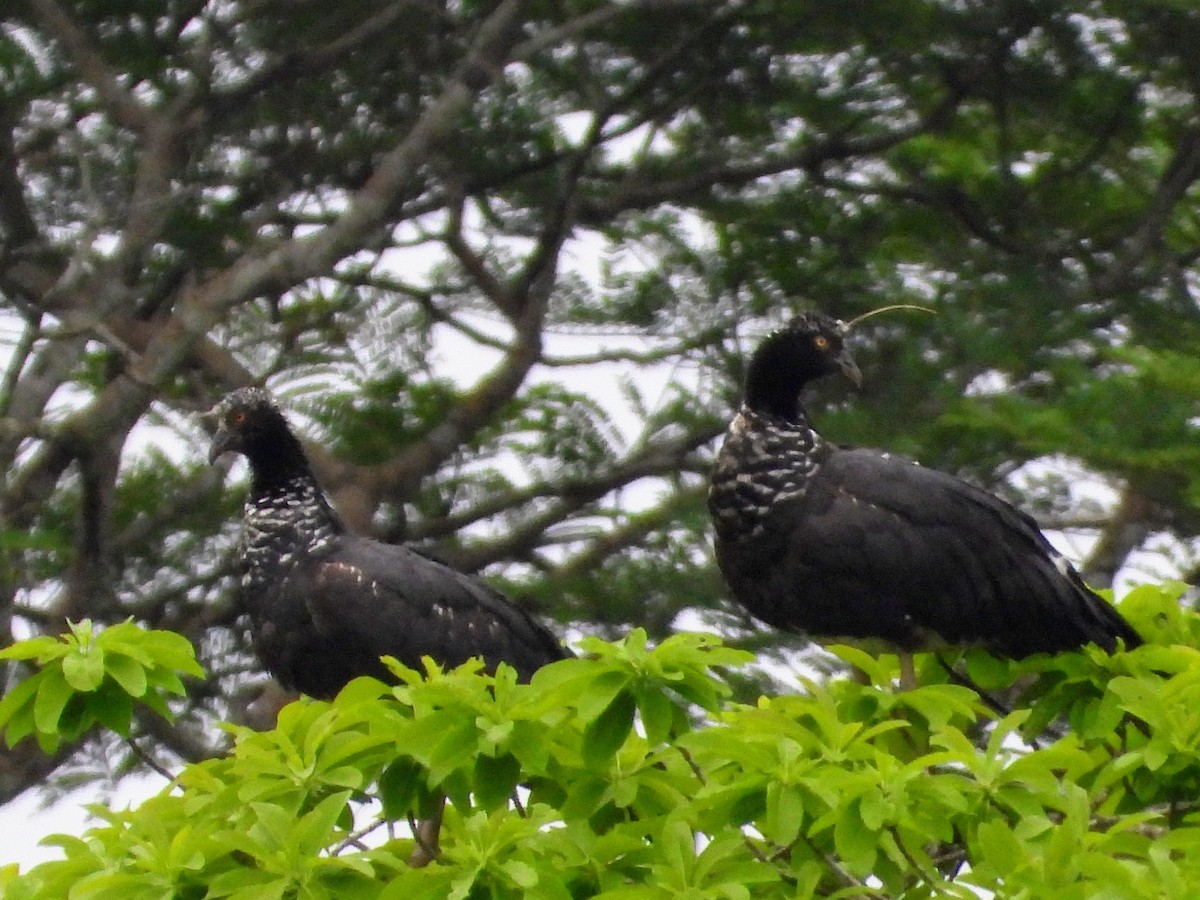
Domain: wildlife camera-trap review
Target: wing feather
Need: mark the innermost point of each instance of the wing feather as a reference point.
(332, 617)
(881, 547)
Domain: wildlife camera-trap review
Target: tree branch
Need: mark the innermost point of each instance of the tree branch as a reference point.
(1179, 175)
(117, 100)
(202, 308)
(19, 227)
(652, 460)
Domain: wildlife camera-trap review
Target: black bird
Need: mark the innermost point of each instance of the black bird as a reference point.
(325, 604)
(869, 548)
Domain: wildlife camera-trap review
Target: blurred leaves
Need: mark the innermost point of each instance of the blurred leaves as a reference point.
(637, 776)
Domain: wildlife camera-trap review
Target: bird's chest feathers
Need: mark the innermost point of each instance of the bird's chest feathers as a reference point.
(283, 530)
(763, 462)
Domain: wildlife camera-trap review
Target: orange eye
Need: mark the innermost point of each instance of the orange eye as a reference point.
(238, 417)
(821, 342)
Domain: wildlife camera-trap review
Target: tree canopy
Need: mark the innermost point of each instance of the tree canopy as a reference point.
(468, 244)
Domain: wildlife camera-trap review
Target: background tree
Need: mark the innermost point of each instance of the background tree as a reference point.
(390, 212)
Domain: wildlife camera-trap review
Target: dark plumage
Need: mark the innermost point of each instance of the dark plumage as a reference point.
(868, 547)
(325, 604)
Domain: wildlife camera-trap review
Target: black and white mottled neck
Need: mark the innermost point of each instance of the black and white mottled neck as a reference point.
(765, 459)
(287, 515)
(284, 524)
(771, 451)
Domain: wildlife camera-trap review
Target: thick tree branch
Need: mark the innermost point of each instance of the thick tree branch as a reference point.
(201, 308)
(18, 225)
(25, 765)
(1131, 523)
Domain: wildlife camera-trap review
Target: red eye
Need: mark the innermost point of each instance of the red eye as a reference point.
(238, 417)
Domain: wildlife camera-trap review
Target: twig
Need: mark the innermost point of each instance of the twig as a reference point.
(148, 759)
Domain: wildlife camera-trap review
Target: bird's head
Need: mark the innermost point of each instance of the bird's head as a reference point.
(248, 422)
(810, 346)
(817, 345)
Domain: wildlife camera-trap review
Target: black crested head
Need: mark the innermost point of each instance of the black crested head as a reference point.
(810, 346)
(249, 422)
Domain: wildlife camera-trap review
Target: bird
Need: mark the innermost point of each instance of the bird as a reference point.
(869, 548)
(324, 604)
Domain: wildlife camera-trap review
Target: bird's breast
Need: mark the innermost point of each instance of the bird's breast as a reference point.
(279, 535)
(758, 468)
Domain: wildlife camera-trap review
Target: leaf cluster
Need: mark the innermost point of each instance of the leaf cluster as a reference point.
(91, 676)
(630, 773)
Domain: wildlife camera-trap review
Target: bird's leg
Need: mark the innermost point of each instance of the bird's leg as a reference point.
(425, 837)
(908, 672)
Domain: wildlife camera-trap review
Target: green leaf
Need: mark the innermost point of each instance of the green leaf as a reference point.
(43, 649)
(495, 779)
(399, 785)
(602, 690)
(169, 651)
(679, 847)
(84, 669)
(856, 843)
(53, 694)
(999, 846)
(658, 713)
(605, 734)
(128, 673)
(18, 696)
(784, 814)
(317, 829)
(114, 709)
(523, 874)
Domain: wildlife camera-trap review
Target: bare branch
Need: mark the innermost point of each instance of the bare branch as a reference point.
(632, 533)
(19, 227)
(667, 458)
(309, 61)
(1131, 523)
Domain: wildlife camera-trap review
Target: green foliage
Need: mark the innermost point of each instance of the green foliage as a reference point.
(443, 239)
(504, 272)
(630, 773)
(93, 675)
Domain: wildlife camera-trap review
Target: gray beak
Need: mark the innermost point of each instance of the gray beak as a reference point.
(223, 441)
(848, 366)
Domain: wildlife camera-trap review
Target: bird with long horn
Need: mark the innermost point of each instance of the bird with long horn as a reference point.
(869, 548)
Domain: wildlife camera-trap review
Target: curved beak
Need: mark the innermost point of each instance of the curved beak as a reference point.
(849, 367)
(222, 442)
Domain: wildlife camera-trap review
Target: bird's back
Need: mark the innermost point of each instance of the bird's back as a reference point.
(877, 547)
(329, 616)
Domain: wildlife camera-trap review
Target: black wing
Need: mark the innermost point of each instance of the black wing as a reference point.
(366, 599)
(881, 547)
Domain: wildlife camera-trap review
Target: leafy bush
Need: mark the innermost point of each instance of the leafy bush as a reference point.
(629, 773)
(90, 676)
